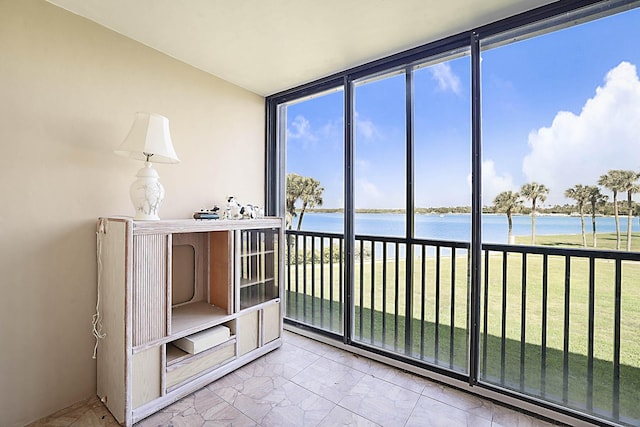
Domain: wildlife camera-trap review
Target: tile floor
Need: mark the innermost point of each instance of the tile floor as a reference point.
(307, 383)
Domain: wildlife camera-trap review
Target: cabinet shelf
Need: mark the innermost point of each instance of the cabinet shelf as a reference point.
(245, 283)
(257, 252)
(176, 355)
(195, 316)
(252, 301)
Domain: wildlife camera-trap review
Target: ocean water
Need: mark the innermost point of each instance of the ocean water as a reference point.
(457, 227)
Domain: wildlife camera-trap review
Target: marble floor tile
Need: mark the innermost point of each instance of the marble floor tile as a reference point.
(505, 417)
(315, 347)
(227, 386)
(380, 370)
(329, 379)
(300, 407)
(90, 413)
(186, 420)
(256, 396)
(308, 383)
(340, 416)
(287, 362)
(432, 413)
(161, 418)
(380, 401)
(465, 401)
(218, 412)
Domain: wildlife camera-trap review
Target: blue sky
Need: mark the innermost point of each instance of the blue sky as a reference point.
(560, 109)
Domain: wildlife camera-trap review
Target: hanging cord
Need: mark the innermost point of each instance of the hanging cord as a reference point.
(97, 317)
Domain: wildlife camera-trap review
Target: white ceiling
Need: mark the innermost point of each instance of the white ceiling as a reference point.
(267, 46)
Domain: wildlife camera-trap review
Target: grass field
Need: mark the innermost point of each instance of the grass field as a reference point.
(440, 310)
(604, 241)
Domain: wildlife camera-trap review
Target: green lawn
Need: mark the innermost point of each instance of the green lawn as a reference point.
(604, 240)
(377, 309)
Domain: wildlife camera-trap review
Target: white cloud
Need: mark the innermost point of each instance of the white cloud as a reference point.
(366, 129)
(492, 182)
(446, 79)
(333, 129)
(300, 129)
(577, 149)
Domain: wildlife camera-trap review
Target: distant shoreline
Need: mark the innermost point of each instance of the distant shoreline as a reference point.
(464, 209)
(448, 211)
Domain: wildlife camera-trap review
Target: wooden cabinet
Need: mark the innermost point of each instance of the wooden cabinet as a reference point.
(182, 303)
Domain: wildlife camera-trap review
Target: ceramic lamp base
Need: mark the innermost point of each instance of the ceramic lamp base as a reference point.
(147, 194)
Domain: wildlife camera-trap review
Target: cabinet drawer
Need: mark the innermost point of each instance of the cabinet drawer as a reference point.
(271, 320)
(199, 363)
(145, 378)
(248, 337)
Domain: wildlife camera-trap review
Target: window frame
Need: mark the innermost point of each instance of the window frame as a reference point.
(545, 19)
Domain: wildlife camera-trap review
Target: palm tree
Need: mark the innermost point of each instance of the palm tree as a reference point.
(295, 185)
(534, 192)
(628, 180)
(311, 196)
(596, 198)
(580, 194)
(507, 202)
(611, 180)
(305, 189)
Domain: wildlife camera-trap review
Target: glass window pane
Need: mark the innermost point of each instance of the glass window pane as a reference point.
(560, 127)
(315, 201)
(442, 163)
(380, 149)
(442, 147)
(315, 152)
(379, 188)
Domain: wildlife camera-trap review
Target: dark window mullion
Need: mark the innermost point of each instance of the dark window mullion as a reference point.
(349, 207)
(409, 252)
(476, 213)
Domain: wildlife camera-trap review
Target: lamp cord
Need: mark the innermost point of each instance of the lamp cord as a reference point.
(97, 317)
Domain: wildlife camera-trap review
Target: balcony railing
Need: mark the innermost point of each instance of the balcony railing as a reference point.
(557, 324)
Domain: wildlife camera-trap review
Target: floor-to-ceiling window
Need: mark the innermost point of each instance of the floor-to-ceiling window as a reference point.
(380, 285)
(312, 129)
(560, 133)
(442, 208)
(558, 279)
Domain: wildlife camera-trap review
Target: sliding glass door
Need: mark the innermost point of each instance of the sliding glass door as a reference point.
(313, 135)
(560, 114)
(471, 208)
(380, 281)
(442, 210)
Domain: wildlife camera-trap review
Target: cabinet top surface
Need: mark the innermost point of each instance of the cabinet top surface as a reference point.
(195, 225)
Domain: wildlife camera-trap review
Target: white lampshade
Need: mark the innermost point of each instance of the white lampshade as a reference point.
(149, 135)
(149, 140)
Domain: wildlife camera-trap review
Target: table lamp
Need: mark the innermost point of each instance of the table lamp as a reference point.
(149, 140)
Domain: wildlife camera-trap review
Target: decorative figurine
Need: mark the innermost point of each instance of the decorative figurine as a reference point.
(235, 210)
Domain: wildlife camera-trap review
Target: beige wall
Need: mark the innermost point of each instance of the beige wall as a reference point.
(68, 93)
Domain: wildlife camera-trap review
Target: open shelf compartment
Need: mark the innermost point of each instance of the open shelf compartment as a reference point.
(197, 315)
